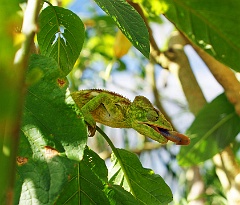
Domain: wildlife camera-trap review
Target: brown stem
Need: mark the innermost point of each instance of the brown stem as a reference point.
(224, 76)
(178, 63)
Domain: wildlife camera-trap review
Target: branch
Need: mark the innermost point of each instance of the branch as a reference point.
(10, 128)
(178, 63)
(224, 76)
(147, 146)
(227, 168)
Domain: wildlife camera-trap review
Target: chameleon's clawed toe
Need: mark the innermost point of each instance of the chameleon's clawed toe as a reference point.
(91, 131)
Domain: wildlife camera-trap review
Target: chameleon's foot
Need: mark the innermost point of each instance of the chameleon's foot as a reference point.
(91, 131)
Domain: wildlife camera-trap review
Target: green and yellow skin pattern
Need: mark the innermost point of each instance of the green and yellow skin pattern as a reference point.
(114, 110)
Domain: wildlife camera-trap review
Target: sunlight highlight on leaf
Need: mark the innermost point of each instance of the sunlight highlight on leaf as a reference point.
(61, 36)
(147, 187)
(212, 26)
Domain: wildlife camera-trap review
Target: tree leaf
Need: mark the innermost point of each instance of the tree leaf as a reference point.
(46, 134)
(48, 120)
(129, 22)
(86, 182)
(40, 179)
(214, 128)
(50, 130)
(61, 36)
(118, 196)
(147, 187)
(212, 25)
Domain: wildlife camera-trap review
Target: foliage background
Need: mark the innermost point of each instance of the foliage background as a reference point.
(45, 148)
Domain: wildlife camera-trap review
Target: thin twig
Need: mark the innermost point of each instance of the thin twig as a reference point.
(115, 151)
(224, 75)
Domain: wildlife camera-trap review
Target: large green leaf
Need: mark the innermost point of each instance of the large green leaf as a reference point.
(48, 120)
(147, 187)
(213, 25)
(214, 128)
(61, 36)
(40, 179)
(86, 182)
(119, 196)
(129, 21)
(50, 129)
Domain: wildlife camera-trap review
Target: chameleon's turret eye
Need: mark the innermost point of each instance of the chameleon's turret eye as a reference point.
(152, 115)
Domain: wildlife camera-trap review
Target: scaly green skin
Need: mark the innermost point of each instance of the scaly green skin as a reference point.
(114, 110)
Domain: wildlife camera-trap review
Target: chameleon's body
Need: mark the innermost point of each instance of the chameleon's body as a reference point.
(114, 110)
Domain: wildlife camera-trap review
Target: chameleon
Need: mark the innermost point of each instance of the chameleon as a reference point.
(114, 110)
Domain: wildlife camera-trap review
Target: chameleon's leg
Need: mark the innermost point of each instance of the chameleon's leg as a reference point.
(89, 120)
(91, 131)
(88, 108)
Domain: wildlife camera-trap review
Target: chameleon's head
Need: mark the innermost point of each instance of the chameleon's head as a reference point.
(147, 120)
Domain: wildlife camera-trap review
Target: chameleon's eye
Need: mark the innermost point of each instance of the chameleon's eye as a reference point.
(152, 115)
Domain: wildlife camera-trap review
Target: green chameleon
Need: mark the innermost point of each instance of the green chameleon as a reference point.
(114, 110)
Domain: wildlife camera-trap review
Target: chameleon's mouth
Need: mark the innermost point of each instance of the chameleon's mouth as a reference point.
(164, 132)
(173, 136)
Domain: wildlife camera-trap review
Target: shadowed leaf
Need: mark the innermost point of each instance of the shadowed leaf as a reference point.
(214, 128)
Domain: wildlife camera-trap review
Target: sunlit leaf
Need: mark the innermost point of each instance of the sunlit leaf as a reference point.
(100, 45)
(86, 182)
(152, 7)
(61, 36)
(48, 120)
(121, 45)
(40, 179)
(213, 25)
(118, 195)
(147, 187)
(50, 131)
